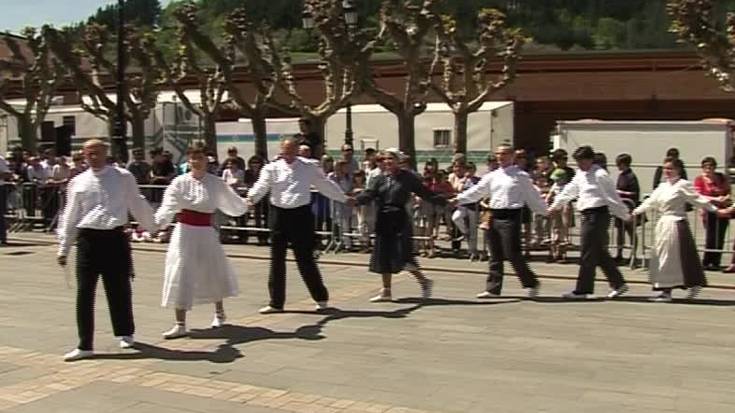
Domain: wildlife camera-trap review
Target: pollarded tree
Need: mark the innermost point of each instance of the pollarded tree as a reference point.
(342, 55)
(407, 24)
(89, 61)
(694, 23)
(244, 40)
(35, 74)
(465, 83)
(187, 65)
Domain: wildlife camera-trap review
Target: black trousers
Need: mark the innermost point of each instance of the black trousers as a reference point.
(716, 228)
(3, 210)
(595, 240)
(105, 253)
(505, 244)
(295, 226)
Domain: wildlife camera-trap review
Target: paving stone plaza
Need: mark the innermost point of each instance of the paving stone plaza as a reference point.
(452, 353)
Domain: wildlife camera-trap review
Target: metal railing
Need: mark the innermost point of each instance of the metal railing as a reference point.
(338, 227)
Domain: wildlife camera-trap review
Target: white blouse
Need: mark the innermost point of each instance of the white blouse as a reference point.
(201, 195)
(671, 199)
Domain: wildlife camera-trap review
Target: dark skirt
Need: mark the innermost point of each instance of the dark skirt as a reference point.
(393, 249)
(691, 265)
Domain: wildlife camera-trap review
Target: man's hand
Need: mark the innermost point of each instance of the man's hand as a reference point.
(249, 203)
(61, 260)
(351, 201)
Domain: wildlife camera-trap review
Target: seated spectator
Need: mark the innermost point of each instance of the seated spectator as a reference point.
(140, 169)
(232, 154)
(233, 175)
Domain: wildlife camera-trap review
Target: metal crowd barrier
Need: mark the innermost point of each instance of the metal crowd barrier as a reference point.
(34, 207)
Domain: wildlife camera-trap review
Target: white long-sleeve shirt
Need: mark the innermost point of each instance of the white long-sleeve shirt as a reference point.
(290, 184)
(592, 189)
(201, 195)
(508, 188)
(101, 200)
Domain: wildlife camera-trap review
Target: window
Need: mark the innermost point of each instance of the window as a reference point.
(71, 123)
(442, 138)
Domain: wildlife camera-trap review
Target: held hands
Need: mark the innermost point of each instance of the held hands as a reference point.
(351, 201)
(724, 213)
(249, 203)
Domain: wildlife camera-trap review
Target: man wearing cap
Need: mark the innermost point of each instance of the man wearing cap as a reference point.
(509, 189)
(596, 198)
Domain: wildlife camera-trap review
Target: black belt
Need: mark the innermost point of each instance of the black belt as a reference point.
(596, 210)
(506, 213)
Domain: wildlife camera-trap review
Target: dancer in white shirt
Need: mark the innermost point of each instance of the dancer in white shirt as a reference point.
(509, 189)
(99, 201)
(596, 199)
(289, 180)
(197, 270)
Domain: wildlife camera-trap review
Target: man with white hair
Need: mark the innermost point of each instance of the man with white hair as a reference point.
(99, 201)
(305, 151)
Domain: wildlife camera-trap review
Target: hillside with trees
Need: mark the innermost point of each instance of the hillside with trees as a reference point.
(557, 25)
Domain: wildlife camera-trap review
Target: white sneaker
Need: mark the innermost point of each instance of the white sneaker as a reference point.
(127, 342)
(664, 297)
(693, 292)
(618, 292)
(177, 331)
(487, 294)
(322, 306)
(270, 310)
(573, 295)
(77, 354)
(383, 297)
(218, 321)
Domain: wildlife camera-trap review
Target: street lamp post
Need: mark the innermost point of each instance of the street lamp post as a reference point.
(351, 19)
(119, 134)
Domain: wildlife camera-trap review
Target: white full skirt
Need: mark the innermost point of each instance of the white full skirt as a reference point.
(666, 268)
(197, 269)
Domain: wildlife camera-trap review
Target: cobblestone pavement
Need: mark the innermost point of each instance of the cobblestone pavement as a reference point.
(452, 353)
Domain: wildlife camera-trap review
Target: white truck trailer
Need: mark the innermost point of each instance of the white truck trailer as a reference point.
(647, 142)
(375, 127)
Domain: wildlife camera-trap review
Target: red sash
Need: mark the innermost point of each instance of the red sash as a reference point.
(196, 219)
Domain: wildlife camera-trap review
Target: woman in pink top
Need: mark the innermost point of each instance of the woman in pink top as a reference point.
(715, 187)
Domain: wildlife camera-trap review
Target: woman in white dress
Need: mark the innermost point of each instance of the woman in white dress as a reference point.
(197, 270)
(674, 260)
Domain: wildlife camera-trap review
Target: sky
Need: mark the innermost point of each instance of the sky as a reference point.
(16, 14)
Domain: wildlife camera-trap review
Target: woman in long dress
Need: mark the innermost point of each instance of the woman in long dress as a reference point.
(197, 270)
(393, 249)
(674, 260)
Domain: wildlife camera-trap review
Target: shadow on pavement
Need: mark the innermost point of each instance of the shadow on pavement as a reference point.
(223, 354)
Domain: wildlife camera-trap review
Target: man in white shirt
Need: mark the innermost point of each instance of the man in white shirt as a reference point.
(98, 203)
(596, 199)
(509, 189)
(289, 180)
(4, 174)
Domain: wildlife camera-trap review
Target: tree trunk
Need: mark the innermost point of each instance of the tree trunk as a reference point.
(261, 134)
(210, 132)
(406, 136)
(28, 133)
(138, 125)
(460, 131)
(317, 125)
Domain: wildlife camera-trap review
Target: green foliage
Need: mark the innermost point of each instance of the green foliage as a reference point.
(563, 24)
(138, 12)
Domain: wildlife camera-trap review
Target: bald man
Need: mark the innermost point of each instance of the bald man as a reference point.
(289, 180)
(99, 201)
